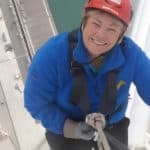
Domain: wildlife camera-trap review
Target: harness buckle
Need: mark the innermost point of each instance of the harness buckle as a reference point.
(76, 68)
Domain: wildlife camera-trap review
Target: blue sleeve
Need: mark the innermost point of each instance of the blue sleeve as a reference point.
(142, 76)
(40, 92)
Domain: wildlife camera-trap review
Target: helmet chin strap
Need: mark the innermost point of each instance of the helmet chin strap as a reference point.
(120, 38)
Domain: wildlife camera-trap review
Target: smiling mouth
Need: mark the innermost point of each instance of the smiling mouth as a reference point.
(99, 43)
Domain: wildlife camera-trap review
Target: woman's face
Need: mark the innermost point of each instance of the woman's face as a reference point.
(101, 31)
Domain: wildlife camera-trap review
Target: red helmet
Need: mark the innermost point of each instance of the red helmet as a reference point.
(122, 9)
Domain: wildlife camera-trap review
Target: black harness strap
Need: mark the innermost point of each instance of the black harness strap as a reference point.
(79, 95)
(109, 97)
(79, 90)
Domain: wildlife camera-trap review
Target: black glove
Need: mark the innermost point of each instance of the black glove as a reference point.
(78, 130)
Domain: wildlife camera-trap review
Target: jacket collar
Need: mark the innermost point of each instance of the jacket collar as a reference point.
(114, 59)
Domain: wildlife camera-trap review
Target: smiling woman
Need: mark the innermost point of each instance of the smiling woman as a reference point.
(101, 31)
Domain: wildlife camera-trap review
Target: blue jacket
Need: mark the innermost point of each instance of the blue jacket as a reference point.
(49, 81)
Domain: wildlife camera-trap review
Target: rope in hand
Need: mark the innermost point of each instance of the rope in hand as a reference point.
(97, 121)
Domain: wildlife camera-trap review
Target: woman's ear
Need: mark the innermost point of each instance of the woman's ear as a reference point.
(82, 27)
(83, 23)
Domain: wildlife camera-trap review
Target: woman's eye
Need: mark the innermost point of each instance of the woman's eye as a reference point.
(111, 30)
(96, 24)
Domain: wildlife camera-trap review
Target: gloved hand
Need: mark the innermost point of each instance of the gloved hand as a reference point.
(78, 130)
(96, 120)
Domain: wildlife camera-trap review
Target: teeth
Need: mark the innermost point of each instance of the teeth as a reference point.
(98, 42)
